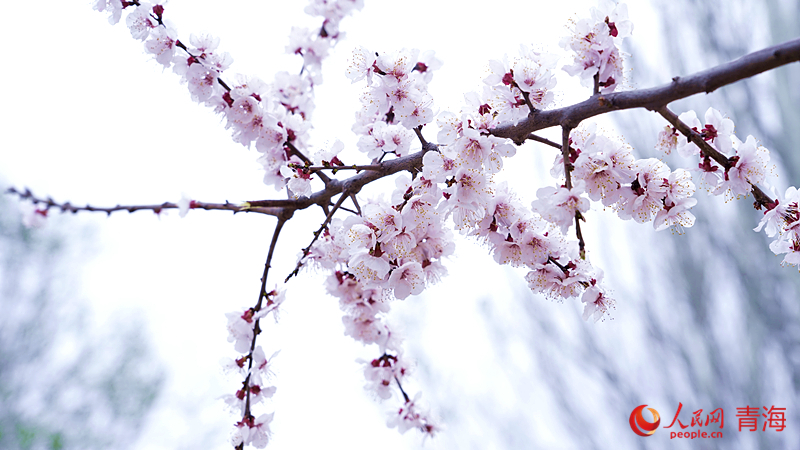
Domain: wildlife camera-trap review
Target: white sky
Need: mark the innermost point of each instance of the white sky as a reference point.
(89, 118)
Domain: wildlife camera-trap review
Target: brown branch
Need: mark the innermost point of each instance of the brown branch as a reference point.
(261, 295)
(579, 234)
(596, 89)
(565, 154)
(276, 207)
(762, 199)
(352, 185)
(565, 130)
(272, 210)
(536, 138)
(655, 98)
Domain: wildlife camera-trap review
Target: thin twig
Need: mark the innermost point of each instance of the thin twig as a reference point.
(316, 235)
(418, 132)
(565, 130)
(536, 138)
(272, 210)
(579, 234)
(402, 391)
(261, 295)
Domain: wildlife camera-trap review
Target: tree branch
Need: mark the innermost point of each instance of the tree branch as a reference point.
(261, 295)
(272, 210)
(655, 98)
(536, 138)
(762, 199)
(352, 185)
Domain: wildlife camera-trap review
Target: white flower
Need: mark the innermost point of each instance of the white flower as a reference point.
(140, 22)
(184, 204)
(718, 131)
(596, 301)
(559, 206)
(201, 81)
(253, 431)
(240, 329)
(33, 216)
(407, 279)
(667, 140)
(647, 191)
(361, 65)
(750, 167)
(161, 44)
(595, 42)
(675, 215)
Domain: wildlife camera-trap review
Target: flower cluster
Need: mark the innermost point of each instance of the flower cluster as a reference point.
(747, 166)
(515, 89)
(606, 171)
(517, 236)
(596, 43)
(782, 218)
(254, 367)
(390, 250)
(273, 116)
(396, 100)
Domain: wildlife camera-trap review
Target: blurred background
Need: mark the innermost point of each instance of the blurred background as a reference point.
(112, 328)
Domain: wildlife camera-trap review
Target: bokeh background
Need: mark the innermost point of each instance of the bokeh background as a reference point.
(112, 328)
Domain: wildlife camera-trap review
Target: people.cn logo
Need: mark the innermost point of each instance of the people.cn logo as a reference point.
(640, 425)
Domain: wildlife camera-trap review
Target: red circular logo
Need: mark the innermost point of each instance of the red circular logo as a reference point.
(640, 425)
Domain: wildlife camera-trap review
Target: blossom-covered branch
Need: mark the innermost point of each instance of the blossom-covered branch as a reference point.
(253, 429)
(655, 98)
(762, 199)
